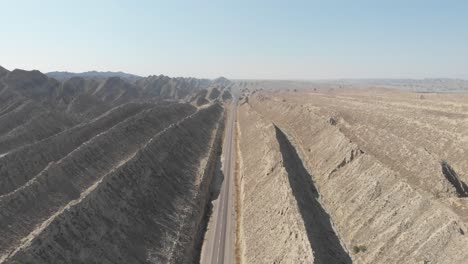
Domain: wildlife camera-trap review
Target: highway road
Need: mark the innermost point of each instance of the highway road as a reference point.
(220, 238)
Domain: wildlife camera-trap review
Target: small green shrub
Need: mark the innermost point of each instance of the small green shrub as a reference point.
(355, 249)
(359, 248)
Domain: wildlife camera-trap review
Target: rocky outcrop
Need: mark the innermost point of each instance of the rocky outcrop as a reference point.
(9, 100)
(104, 170)
(147, 207)
(115, 90)
(22, 113)
(18, 167)
(272, 229)
(201, 95)
(175, 88)
(222, 81)
(214, 93)
(202, 101)
(3, 71)
(226, 95)
(34, 107)
(107, 87)
(325, 243)
(63, 180)
(75, 87)
(93, 75)
(32, 84)
(460, 187)
(39, 127)
(381, 208)
(86, 107)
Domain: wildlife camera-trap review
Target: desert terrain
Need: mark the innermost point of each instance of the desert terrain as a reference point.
(109, 167)
(353, 176)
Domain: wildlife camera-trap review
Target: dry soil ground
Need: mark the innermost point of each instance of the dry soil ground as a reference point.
(369, 176)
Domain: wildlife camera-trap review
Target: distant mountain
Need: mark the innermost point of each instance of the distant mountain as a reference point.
(123, 165)
(172, 88)
(63, 76)
(222, 81)
(31, 84)
(85, 95)
(35, 106)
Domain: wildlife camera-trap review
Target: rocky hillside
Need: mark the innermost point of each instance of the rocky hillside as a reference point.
(272, 229)
(387, 169)
(172, 88)
(34, 106)
(104, 171)
(96, 75)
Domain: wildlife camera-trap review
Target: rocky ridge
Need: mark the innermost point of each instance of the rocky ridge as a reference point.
(100, 171)
(386, 205)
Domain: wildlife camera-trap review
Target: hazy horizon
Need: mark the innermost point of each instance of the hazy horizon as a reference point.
(265, 40)
(241, 79)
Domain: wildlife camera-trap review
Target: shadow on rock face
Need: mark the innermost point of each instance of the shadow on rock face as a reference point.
(322, 237)
(460, 187)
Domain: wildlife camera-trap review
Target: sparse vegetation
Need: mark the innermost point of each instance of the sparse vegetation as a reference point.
(359, 248)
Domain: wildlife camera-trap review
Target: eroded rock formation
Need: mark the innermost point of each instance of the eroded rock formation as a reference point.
(102, 171)
(377, 170)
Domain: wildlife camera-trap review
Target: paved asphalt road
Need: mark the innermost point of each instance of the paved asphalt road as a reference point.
(220, 239)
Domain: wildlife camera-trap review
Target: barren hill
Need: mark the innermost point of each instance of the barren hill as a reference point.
(354, 176)
(104, 170)
(96, 75)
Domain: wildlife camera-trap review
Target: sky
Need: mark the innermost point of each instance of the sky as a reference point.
(239, 39)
